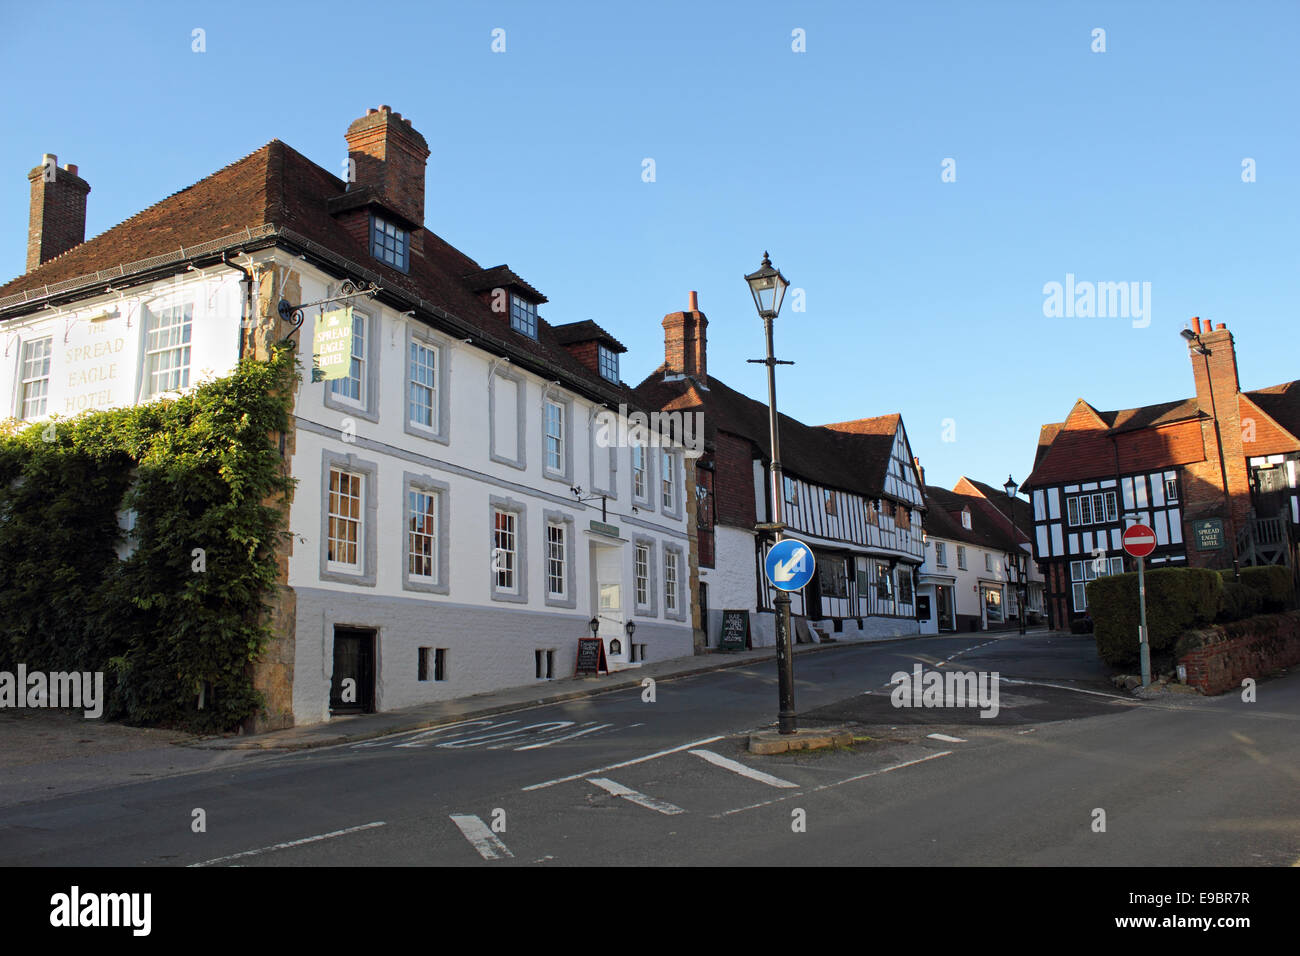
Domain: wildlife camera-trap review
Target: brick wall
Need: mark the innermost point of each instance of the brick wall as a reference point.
(733, 482)
(1217, 393)
(1252, 648)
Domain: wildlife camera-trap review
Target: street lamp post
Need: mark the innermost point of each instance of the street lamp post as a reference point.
(1021, 591)
(768, 288)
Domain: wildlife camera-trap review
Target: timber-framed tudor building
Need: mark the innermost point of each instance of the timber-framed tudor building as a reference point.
(851, 491)
(1215, 476)
(438, 547)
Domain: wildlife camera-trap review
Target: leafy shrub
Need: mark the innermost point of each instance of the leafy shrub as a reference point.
(1081, 625)
(200, 471)
(1273, 582)
(1238, 601)
(1178, 599)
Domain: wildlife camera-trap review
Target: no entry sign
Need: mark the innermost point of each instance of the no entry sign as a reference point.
(1139, 540)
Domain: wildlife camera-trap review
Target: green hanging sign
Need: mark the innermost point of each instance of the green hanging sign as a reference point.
(332, 345)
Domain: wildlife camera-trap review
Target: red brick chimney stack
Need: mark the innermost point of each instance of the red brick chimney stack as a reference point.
(685, 342)
(390, 157)
(57, 220)
(1218, 393)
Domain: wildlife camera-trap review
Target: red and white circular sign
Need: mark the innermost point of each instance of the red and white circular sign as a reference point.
(1139, 540)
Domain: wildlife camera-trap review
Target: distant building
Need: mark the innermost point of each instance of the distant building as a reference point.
(851, 492)
(1098, 472)
(975, 561)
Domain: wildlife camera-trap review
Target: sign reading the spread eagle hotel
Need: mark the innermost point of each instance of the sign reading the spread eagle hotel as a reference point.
(331, 345)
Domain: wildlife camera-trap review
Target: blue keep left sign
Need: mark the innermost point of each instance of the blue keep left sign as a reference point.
(789, 565)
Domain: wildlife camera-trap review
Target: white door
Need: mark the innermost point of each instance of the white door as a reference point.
(608, 563)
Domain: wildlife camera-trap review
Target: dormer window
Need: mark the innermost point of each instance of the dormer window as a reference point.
(523, 316)
(389, 243)
(608, 360)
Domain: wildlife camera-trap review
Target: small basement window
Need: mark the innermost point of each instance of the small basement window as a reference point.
(437, 656)
(545, 660)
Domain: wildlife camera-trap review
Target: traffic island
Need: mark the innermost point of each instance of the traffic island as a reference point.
(775, 742)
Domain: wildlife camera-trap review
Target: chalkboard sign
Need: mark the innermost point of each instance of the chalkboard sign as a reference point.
(591, 656)
(735, 631)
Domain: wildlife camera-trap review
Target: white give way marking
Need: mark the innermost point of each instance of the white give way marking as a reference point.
(480, 837)
(632, 796)
(736, 767)
(493, 734)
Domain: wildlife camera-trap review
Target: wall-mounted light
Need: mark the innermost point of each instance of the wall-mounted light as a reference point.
(594, 624)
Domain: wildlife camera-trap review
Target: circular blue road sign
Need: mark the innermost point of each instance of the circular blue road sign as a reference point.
(789, 565)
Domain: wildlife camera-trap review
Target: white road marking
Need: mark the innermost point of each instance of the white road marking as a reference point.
(946, 739)
(1077, 690)
(838, 783)
(640, 799)
(589, 730)
(291, 843)
(625, 763)
(735, 767)
(487, 843)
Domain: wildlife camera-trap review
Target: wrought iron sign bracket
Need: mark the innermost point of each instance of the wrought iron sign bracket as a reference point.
(348, 290)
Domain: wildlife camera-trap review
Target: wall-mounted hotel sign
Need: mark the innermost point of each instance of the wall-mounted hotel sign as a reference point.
(1208, 534)
(599, 527)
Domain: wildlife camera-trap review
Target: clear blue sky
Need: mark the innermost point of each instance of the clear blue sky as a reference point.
(923, 297)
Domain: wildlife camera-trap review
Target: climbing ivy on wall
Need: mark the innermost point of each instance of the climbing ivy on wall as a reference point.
(180, 618)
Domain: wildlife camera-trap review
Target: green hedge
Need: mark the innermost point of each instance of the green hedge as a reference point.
(201, 471)
(1273, 582)
(1178, 599)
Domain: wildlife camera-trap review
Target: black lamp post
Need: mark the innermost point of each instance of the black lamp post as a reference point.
(1021, 591)
(768, 288)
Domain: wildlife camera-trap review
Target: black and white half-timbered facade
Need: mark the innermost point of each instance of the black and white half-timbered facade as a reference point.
(1165, 465)
(850, 491)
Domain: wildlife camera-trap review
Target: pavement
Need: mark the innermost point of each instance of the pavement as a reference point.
(358, 727)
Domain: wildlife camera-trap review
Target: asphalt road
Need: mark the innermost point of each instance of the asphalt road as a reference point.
(616, 780)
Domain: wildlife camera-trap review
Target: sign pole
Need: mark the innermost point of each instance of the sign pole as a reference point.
(1144, 646)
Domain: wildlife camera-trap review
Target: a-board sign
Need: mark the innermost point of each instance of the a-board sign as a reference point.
(735, 631)
(591, 656)
(1208, 534)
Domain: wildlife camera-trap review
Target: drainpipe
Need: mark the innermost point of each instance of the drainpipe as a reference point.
(246, 303)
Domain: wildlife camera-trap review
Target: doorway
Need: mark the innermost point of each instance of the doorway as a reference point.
(352, 687)
(607, 567)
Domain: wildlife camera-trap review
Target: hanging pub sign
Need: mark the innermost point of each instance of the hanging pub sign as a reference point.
(332, 345)
(591, 656)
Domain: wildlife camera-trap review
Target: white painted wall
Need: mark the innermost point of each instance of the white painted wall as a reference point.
(485, 650)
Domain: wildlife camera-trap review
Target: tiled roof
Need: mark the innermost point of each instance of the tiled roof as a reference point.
(1281, 403)
(840, 459)
(943, 520)
(277, 185)
(1020, 511)
(585, 331)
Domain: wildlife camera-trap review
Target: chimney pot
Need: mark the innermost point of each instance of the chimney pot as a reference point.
(72, 168)
(695, 302)
(385, 108)
(372, 111)
(1220, 327)
(1196, 324)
